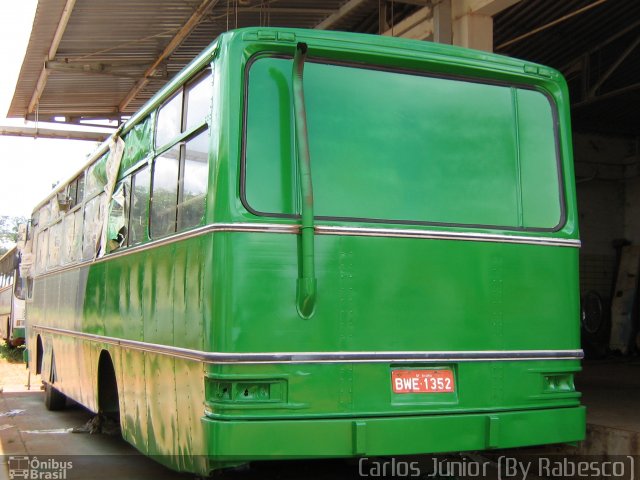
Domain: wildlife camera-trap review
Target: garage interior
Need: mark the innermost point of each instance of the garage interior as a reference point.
(88, 62)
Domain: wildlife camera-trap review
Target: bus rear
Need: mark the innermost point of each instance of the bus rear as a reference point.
(442, 313)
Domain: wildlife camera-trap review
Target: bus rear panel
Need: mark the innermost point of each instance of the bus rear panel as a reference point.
(446, 255)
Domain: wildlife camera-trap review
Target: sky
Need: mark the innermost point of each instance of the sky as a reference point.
(28, 167)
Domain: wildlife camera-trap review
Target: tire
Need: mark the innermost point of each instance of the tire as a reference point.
(595, 325)
(54, 399)
(592, 314)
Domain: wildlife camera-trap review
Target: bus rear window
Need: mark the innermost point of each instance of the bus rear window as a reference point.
(401, 147)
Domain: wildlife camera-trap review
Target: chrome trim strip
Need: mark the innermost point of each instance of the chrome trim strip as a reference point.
(215, 227)
(220, 358)
(327, 230)
(445, 235)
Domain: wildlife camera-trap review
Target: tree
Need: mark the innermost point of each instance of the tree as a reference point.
(9, 231)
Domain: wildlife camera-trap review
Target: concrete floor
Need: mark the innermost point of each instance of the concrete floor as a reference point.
(611, 392)
(36, 432)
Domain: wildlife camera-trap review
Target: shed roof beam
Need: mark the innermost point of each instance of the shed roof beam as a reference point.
(295, 10)
(623, 56)
(87, 110)
(474, 31)
(473, 22)
(81, 119)
(175, 42)
(339, 14)
(614, 93)
(480, 7)
(383, 24)
(52, 133)
(576, 63)
(421, 3)
(418, 25)
(90, 69)
(53, 49)
(442, 28)
(551, 24)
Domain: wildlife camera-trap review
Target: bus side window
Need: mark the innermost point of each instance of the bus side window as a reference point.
(198, 101)
(42, 250)
(72, 193)
(139, 203)
(164, 192)
(169, 120)
(195, 167)
(72, 237)
(55, 245)
(118, 216)
(181, 173)
(92, 227)
(76, 191)
(69, 231)
(80, 189)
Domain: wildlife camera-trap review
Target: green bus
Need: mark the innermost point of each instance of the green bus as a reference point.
(320, 244)
(12, 303)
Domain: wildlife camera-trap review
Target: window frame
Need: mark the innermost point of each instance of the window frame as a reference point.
(172, 141)
(42, 251)
(394, 69)
(99, 198)
(180, 141)
(184, 88)
(181, 144)
(125, 184)
(56, 230)
(132, 185)
(79, 196)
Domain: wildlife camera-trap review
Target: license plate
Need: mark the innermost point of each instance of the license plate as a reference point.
(422, 381)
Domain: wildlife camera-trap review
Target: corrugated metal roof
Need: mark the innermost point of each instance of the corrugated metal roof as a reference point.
(118, 40)
(44, 27)
(125, 36)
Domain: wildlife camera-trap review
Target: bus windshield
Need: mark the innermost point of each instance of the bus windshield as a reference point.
(403, 147)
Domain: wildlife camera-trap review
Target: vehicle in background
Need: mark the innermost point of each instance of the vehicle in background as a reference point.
(12, 299)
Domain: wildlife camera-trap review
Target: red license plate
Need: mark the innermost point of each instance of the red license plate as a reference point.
(422, 381)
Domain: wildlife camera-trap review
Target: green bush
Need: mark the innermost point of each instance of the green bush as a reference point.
(11, 354)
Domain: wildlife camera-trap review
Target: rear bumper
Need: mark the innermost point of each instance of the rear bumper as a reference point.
(234, 441)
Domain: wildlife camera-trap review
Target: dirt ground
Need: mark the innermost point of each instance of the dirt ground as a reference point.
(14, 377)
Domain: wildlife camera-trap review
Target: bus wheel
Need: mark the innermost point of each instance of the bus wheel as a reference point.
(39, 356)
(108, 402)
(53, 399)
